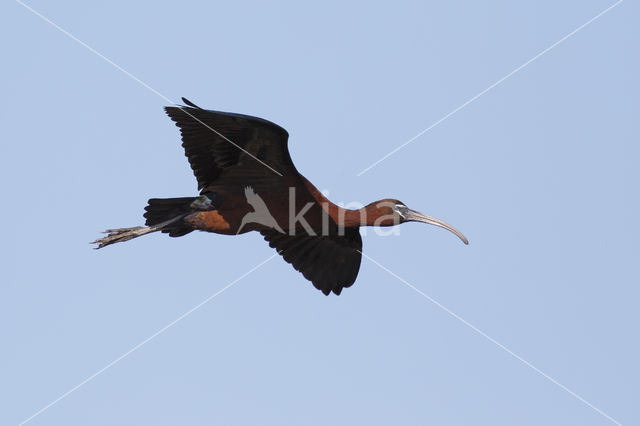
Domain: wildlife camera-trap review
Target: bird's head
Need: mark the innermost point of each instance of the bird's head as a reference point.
(389, 212)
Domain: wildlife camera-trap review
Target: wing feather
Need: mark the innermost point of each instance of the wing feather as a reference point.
(330, 262)
(215, 141)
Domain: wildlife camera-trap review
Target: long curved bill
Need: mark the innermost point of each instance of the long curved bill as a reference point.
(415, 216)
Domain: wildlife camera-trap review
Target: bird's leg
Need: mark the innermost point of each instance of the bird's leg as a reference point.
(125, 234)
(122, 234)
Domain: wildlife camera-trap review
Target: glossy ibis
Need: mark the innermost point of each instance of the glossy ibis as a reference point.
(249, 183)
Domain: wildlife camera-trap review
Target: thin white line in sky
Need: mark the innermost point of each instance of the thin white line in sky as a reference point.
(492, 340)
(145, 341)
(127, 73)
(488, 88)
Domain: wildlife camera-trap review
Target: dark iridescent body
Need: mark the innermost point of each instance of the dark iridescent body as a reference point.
(249, 183)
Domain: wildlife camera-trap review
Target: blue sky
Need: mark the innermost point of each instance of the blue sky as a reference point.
(540, 173)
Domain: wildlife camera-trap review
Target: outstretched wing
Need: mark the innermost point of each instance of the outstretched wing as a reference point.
(214, 141)
(330, 262)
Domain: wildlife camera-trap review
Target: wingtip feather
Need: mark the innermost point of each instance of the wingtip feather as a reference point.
(188, 102)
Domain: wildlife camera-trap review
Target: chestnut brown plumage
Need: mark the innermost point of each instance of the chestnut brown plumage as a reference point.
(249, 183)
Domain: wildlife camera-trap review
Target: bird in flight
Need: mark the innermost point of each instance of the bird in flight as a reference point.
(248, 182)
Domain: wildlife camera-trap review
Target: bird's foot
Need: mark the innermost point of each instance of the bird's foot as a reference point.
(121, 234)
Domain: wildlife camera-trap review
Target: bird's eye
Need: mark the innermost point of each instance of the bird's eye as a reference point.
(401, 210)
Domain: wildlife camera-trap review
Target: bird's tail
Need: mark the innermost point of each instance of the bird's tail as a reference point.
(160, 210)
(162, 214)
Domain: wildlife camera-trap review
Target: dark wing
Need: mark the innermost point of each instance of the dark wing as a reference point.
(330, 262)
(214, 141)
